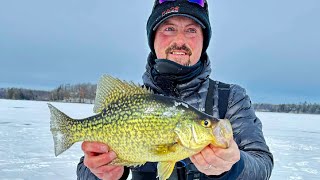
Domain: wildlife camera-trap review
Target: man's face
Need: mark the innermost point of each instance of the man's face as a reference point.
(179, 39)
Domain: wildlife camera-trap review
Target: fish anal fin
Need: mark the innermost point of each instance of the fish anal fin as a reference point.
(165, 169)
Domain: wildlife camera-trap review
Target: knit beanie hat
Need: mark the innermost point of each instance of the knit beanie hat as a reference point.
(165, 10)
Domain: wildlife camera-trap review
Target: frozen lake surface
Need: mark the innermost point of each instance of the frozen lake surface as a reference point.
(26, 145)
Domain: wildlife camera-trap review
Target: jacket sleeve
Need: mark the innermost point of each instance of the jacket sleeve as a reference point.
(256, 160)
(84, 173)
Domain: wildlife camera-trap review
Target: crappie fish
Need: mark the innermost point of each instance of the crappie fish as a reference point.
(140, 126)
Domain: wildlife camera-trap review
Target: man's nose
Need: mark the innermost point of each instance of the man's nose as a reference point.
(180, 39)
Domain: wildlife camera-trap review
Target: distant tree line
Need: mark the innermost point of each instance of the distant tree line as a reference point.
(305, 107)
(80, 93)
(24, 94)
(86, 92)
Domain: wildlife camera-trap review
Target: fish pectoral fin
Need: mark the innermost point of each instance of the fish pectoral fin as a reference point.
(121, 162)
(165, 169)
(163, 149)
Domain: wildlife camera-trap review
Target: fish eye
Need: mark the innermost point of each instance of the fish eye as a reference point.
(206, 123)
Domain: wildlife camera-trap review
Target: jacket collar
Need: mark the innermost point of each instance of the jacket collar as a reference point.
(188, 91)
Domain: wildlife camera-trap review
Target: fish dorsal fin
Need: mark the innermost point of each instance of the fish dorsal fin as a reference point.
(110, 89)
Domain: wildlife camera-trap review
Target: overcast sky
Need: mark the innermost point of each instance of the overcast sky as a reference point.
(272, 48)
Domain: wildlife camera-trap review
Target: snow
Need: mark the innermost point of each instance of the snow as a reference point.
(294, 140)
(26, 144)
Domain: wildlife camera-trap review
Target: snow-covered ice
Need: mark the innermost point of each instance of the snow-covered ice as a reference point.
(294, 140)
(26, 144)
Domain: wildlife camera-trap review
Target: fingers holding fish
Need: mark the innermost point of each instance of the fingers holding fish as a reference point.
(94, 147)
(199, 160)
(231, 154)
(97, 157)
(98, 165)
(96, 154)
(114, 174)
(215, 161)
(212, 159)
(96, 161)
(103, 169)
(204, 161)
(108, 172)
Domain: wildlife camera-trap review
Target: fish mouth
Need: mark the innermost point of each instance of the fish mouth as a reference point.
(222, 133)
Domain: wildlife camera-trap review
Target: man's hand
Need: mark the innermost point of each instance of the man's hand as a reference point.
(97, 157)
(215, 161)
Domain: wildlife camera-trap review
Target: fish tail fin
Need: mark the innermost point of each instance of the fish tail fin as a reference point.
(60, 129)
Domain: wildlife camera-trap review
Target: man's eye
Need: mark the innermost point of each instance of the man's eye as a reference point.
(169, 29)
(191, 30)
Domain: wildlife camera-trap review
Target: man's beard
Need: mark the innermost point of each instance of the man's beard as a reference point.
(184, 47)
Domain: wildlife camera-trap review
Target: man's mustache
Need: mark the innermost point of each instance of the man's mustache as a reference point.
(176, 47)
